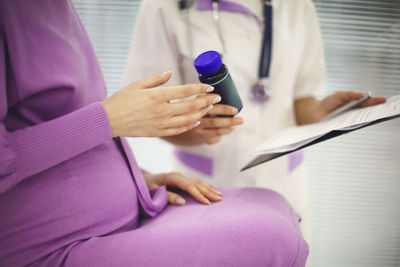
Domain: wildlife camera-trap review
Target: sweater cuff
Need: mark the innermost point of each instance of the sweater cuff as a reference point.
(42, 146)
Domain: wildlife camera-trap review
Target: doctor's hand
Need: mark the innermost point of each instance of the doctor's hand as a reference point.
(310, 110)
(201, 191)
(211, 128)
(143, 109)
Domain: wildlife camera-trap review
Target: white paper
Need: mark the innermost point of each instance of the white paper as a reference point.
(296, 137)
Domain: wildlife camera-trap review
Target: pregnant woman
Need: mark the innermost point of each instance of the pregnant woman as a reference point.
(71, 193)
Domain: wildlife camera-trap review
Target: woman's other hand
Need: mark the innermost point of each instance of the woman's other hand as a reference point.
(202, 192)
(143, 109)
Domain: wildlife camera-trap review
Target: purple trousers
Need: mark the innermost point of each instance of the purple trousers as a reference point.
(250, 227)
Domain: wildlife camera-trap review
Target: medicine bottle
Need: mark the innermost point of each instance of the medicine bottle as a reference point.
(212, 71)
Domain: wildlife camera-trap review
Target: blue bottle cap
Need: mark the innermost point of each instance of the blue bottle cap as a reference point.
(208, 62)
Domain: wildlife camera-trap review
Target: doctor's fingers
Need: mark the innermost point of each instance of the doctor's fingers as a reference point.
(339, 98)
(372, 101)
(220, 122)
(212, 140)
(346, 96)
(221, 109)
(208, 134)
(193, 104)
(176, 130)
(151, 82)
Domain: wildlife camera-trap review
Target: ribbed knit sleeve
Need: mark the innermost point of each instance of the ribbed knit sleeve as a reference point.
(34, 149)
(30, 150)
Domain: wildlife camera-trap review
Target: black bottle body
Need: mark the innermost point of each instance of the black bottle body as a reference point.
(223, 85)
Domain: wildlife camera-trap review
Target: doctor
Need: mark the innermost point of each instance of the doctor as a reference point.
(275, 55)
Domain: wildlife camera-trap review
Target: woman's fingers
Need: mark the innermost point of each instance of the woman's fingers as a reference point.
(184, 120)
(175, 199)
(211, 188)
(177, 130)
(209, 194)
(141, 110)
(153, 81)
(194, 191)
(200, 191)
(193, 104)
(182, 91)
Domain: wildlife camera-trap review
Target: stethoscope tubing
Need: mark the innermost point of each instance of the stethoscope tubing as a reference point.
(262, 87)
(217, 22)
(266, 50)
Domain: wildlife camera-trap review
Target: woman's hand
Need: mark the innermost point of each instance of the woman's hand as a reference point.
(211, 128)
(310, 110)
(143, 109)
(201, 191)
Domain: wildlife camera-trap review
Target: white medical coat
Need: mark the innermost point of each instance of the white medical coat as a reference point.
(160, 43)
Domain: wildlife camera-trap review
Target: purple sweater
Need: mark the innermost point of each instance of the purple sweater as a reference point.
(56, 149)
(70, 195)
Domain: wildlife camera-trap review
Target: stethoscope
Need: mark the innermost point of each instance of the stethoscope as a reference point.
(260, 91)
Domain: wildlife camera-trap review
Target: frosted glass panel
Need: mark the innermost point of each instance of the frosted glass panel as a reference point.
(355, 178)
